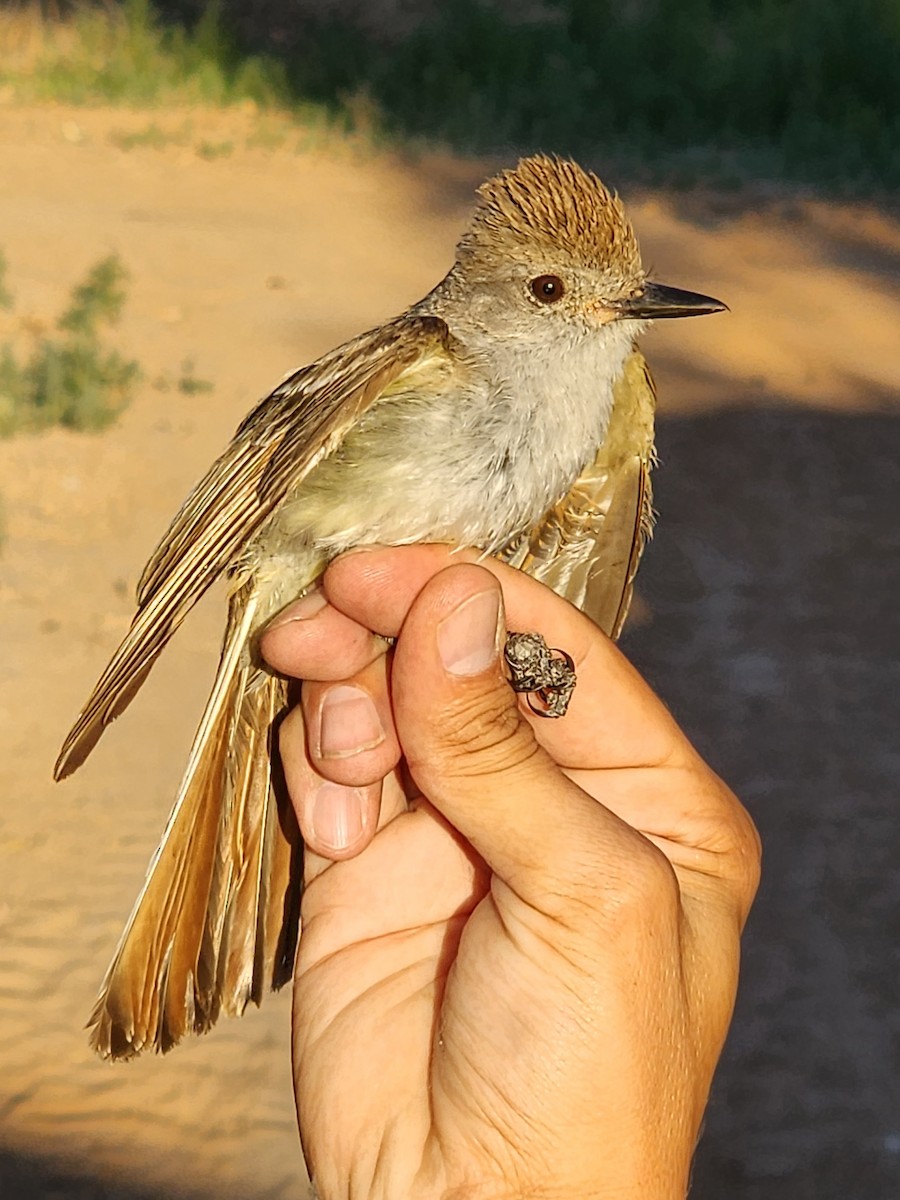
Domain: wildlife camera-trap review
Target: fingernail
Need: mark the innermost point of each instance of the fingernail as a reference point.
(469, 639)
(338, 815)
(301, 610)
(348, 722)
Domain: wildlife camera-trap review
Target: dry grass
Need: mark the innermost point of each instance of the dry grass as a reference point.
(125, 55)
(28, 40)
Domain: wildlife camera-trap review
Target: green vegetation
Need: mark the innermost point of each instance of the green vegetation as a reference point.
(187, 382)
(801, 89)
(72, 379)
(190, 384)
(126, 56)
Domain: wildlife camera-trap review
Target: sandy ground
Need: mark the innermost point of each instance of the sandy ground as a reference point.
(769, 595)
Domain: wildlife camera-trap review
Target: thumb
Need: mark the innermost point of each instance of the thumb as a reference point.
(473, 754)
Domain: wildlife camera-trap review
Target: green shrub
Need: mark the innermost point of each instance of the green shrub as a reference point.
(72, 380)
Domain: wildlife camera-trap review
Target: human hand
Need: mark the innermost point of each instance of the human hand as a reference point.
(516, 970)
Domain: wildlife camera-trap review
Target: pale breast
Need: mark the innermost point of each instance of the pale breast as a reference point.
(474, 461)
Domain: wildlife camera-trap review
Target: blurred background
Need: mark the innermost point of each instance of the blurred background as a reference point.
(195, 199)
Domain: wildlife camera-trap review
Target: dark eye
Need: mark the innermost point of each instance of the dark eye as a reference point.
(547, 288)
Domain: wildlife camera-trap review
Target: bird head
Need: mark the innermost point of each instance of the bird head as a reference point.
(549, 245)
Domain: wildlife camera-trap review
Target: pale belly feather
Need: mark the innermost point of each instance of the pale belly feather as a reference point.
(473, 467)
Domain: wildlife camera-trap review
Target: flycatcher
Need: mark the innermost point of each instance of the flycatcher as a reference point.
(507, 411)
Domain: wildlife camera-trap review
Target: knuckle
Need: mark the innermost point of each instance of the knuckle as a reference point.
(632, 896)
(737, 842)
(746, 857)
(645, 885)
(728, 832)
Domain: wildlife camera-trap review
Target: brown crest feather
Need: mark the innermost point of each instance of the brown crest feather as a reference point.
(552, 207)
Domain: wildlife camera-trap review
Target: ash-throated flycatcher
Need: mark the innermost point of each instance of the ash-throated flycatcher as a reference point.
(507, 411)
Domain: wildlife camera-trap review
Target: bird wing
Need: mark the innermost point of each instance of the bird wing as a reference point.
(589, 545)
(281, 440)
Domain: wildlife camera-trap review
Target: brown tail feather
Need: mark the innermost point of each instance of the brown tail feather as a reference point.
(192, 945)
(261, 858)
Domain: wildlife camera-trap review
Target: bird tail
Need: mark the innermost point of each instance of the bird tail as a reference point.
(217, 921)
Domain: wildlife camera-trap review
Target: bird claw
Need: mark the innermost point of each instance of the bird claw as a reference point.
(534, 670)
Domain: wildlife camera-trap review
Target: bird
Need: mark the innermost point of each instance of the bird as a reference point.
(508, 411)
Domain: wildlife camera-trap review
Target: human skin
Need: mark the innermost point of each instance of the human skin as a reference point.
(520, 952)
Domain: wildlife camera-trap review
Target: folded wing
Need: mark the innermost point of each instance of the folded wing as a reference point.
(279, 442)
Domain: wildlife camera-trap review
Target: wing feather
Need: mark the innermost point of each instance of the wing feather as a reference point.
(274, 448)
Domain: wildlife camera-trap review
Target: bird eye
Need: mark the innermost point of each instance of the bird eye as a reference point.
(547, 288)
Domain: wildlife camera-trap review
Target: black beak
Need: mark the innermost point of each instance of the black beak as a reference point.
(657, 301)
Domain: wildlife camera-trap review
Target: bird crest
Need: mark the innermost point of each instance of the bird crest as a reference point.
(552, 206)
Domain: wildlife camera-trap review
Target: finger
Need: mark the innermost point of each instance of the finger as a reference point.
(350, 734)
(615, 725)
(310, 639)
(420, 872)
(377, 587)
(336, 821)
(475, 756)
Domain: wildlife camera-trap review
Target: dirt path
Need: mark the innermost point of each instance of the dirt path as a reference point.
(249, 262)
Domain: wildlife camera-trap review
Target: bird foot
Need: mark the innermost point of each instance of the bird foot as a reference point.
(548, 680)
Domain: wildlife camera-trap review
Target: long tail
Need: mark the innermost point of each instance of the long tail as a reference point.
(217, 921)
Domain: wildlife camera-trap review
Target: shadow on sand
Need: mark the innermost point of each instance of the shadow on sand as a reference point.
(26, 1176)
(774, 639)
